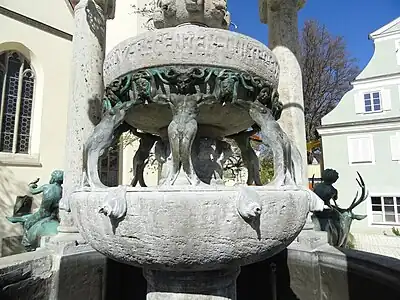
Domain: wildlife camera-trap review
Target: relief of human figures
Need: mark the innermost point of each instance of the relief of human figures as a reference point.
(184, 91)
(182, 130)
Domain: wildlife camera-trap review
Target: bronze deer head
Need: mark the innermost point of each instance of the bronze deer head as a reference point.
(340, 222)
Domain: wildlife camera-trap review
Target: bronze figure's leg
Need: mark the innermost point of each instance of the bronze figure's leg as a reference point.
(141, 177)
(138, 170)
(255, 166)
(174, 136)
(248, 162)
(249, 157)
(186, 151)
(274, 136)
(140, 159)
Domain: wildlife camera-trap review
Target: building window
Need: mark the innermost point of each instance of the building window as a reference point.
(360, 149)
(109, 167)
(385, 210)
(17, 83)
(397, 49)
(372, 102)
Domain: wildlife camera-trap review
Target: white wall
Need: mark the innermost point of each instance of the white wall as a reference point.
(50, 58)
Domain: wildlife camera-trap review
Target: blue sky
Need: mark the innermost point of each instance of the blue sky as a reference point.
(352, 19)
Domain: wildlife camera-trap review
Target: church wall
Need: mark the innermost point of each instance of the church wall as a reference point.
(50, 58)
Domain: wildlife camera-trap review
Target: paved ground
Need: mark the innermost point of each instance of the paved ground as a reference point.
(379, 244)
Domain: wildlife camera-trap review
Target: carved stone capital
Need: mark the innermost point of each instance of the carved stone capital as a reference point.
(210, 13)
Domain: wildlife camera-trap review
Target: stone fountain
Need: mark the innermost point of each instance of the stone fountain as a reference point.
(186, 87)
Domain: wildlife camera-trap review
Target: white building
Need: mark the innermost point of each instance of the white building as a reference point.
(363, 134)
(35, 63)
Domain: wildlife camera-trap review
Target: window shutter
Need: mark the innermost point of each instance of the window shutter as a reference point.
(365, 149)
(359, 103)
(386, 100)
(352, 149)
(360, 149)
(395, 147)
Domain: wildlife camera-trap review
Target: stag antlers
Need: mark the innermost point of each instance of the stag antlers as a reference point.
(357, 199)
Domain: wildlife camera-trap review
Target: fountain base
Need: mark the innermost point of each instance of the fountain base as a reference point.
(206, 285)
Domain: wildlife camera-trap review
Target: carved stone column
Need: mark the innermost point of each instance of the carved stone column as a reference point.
(86, 93)
(281, 17)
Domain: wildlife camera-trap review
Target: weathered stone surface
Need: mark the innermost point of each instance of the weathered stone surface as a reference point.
(320, 271)
(26, 276)
(191, 229)
(192, 46)
(211, 13)
(51, 274)
(11, 245)
(208, 285)
(86, 93)
(81, 276)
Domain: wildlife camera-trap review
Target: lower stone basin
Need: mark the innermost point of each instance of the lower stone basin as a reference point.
(191, 229)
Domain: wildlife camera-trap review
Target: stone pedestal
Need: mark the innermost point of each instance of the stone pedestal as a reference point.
(281, 17)
(206, 285)
(86, 93)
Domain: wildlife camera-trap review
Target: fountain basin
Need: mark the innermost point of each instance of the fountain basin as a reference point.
(192, 229)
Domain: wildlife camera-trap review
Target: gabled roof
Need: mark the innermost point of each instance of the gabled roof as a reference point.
(389, 29)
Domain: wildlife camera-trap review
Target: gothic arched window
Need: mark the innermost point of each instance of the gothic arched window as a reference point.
(17, 84)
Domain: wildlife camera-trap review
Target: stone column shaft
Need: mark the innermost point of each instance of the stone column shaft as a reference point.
(206, 285)
(86, 93)
(284, 41)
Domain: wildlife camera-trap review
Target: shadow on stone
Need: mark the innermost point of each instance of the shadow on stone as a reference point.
(259, 281)
(124, 282)
(96, 21)
(371, 276)
(94, 111)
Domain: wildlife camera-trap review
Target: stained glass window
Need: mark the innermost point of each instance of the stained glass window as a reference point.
(17, 83)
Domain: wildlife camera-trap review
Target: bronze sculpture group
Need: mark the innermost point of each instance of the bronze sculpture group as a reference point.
(184, 91)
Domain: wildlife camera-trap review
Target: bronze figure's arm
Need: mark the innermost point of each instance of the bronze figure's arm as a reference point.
(34, 189)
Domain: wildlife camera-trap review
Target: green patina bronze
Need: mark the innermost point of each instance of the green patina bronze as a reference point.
(226, 85)
(44, 221)
(336, 221)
